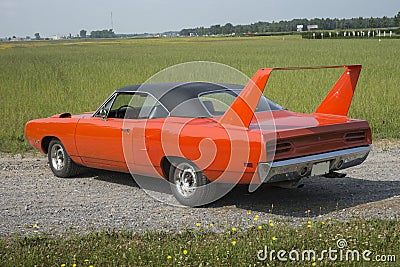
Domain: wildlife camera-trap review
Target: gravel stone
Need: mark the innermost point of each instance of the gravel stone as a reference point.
(33, 200)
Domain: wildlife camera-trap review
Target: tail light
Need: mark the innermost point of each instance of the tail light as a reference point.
(355, 137)
(280, 147)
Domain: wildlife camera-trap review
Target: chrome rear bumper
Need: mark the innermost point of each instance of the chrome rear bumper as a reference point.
(292, 169)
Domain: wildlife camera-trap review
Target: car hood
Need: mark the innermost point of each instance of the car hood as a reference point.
(68, 115)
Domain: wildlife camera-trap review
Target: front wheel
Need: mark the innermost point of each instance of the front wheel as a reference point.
(60, 162)
(189, 185)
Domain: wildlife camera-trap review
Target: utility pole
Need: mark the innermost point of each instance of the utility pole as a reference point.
(112, 23)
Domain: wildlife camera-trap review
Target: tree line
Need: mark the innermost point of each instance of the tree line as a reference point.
(98, 34)
(291, 26)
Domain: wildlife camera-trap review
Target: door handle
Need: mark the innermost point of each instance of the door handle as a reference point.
(126, 130)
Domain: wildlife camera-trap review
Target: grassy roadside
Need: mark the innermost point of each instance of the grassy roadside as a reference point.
(205, 247)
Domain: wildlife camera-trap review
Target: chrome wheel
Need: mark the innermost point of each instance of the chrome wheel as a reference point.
(57, 157)
(188, 183)
(185, 179)
(60, 162)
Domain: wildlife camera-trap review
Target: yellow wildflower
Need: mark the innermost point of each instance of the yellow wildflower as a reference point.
(212, 224)
(234, 229)
(322, 223)
(259, 227)
(198, 224)
(233, 242)
(185, 252)
(169, 257)
(271, 224)
(274, 238)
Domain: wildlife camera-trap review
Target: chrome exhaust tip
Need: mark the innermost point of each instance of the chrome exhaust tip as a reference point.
(303, 171)
(339, 165)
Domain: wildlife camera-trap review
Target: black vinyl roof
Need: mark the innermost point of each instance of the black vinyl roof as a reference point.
(180, 98)
(159, 90)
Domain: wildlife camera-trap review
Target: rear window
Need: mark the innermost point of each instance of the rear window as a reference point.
(218, 102)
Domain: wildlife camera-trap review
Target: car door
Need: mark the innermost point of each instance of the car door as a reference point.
(107, 140)
(99, 138)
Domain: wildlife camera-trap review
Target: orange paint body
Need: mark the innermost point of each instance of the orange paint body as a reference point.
(235, 141)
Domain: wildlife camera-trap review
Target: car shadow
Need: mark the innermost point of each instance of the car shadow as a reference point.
(319, 196)
(142, 182)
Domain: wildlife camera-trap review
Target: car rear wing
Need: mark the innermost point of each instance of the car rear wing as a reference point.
(337, 102)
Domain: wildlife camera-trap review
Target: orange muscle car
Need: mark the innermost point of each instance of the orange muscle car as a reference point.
(197, 133)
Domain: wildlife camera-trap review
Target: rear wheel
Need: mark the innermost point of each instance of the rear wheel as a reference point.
(60, 162)
(189, 185)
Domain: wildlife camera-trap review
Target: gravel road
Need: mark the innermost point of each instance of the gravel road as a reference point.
(33, 200)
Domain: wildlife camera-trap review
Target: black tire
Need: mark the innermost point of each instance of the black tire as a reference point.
(60, 162)
(189, 185)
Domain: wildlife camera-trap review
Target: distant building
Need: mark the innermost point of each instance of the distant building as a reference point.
(57, 37)
(312, 27)
(300, 28)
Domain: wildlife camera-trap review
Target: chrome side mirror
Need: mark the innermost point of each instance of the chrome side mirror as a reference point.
(103, 114)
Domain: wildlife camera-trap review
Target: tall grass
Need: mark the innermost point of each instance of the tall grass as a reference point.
(39, 79)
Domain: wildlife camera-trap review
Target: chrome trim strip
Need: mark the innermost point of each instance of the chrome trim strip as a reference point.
(290, 169)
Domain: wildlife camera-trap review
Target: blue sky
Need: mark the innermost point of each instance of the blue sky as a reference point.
(25, 17)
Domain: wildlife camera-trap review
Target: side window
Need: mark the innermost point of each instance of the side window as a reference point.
(217, 103)
(152, 109)
(106, 106)
(135, 106)
(121, 106)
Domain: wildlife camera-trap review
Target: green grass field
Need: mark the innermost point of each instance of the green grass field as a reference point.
(39, 79)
